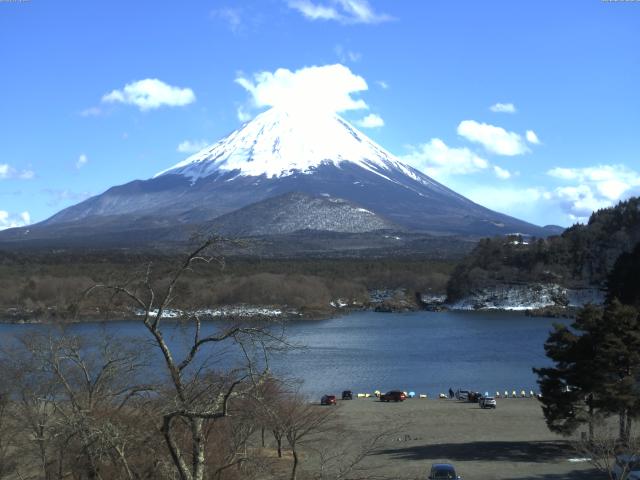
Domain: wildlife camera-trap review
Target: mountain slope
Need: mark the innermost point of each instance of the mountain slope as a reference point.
(293, 212)
(275, 154)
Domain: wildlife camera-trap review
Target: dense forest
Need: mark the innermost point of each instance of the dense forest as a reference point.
(582, 256)
(50, 285)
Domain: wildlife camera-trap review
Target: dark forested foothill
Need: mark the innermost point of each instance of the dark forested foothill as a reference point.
(581, 256)
(48, 286)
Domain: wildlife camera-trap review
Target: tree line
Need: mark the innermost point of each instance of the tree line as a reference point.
(582, 256)
(46, 288)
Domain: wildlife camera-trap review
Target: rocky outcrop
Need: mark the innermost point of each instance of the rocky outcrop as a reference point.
(528, 297)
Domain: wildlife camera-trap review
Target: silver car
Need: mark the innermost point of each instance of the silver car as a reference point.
(487, 402)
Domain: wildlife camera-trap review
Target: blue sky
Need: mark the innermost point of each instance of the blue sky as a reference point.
(530, 108)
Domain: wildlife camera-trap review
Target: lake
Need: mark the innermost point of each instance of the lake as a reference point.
(424, 352)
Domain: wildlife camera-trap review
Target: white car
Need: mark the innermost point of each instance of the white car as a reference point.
(627, 467)
(487, 402)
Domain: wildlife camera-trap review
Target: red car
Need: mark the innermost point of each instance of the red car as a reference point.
(328, 400)
(393, 396)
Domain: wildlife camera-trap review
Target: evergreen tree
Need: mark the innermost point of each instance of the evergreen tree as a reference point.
(618, 365)
(624, 280)
(596, 370)
(568, 387)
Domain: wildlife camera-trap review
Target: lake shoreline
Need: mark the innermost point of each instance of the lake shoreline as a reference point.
(287, 315)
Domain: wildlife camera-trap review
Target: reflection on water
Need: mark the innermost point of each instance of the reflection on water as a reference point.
(423, 352)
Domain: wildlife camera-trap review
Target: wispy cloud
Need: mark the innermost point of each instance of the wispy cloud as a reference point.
(82, 161)
(532, 137)
(10, 220)
(191, 146)
(438, 160)
(501, 173)
(7, 172)
(503, 108)
(345, 55)
(243, 115)
(371, 121)
(494, 139)
(91, 112)
(343, 11)
(231, 16)
(382, 84)
(151, 93)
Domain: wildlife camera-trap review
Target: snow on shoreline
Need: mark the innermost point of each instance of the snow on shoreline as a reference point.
(241, 311)
(528, 297)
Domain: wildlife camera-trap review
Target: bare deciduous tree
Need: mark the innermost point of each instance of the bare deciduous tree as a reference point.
(200, 392)
(604, 447)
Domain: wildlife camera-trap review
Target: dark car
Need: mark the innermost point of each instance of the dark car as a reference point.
(474, 397)
(443, 471)
(328, 400)
(393, 396)
(347, 395)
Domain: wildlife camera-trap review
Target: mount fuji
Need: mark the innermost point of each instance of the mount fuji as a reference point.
(281, 173)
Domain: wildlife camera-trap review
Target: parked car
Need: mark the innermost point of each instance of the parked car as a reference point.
(474, 397)
(393, 396)
(462, 395)
(627, 467)
(347, 395)
(487, 402)
(443, 471)
(328, 400)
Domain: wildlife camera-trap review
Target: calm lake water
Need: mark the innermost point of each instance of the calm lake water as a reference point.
(424, 352)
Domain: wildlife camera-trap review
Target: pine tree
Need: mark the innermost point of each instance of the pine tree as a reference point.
(623, 282)
(618, 365)
(596, 370)
(568, 387)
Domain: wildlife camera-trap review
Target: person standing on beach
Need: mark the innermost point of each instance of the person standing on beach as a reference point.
(450, 393)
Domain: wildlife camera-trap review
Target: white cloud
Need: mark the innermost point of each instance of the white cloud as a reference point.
(382, 84)
(494, 139)
(231, 16)
(318, 88)
(593, 188)
(534, 204)
(189, 146)
(82, 161)
(7, 172)
(503, 108)
(243, 115)
(151, 93)
(343, 11)
(501, 173)
(532, 137)
(346, 55)
(438, 160)
(8, 220)
(371, 121)
(91, 112)
(314, 11)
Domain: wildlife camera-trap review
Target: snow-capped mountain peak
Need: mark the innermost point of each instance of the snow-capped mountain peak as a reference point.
(279, 142)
